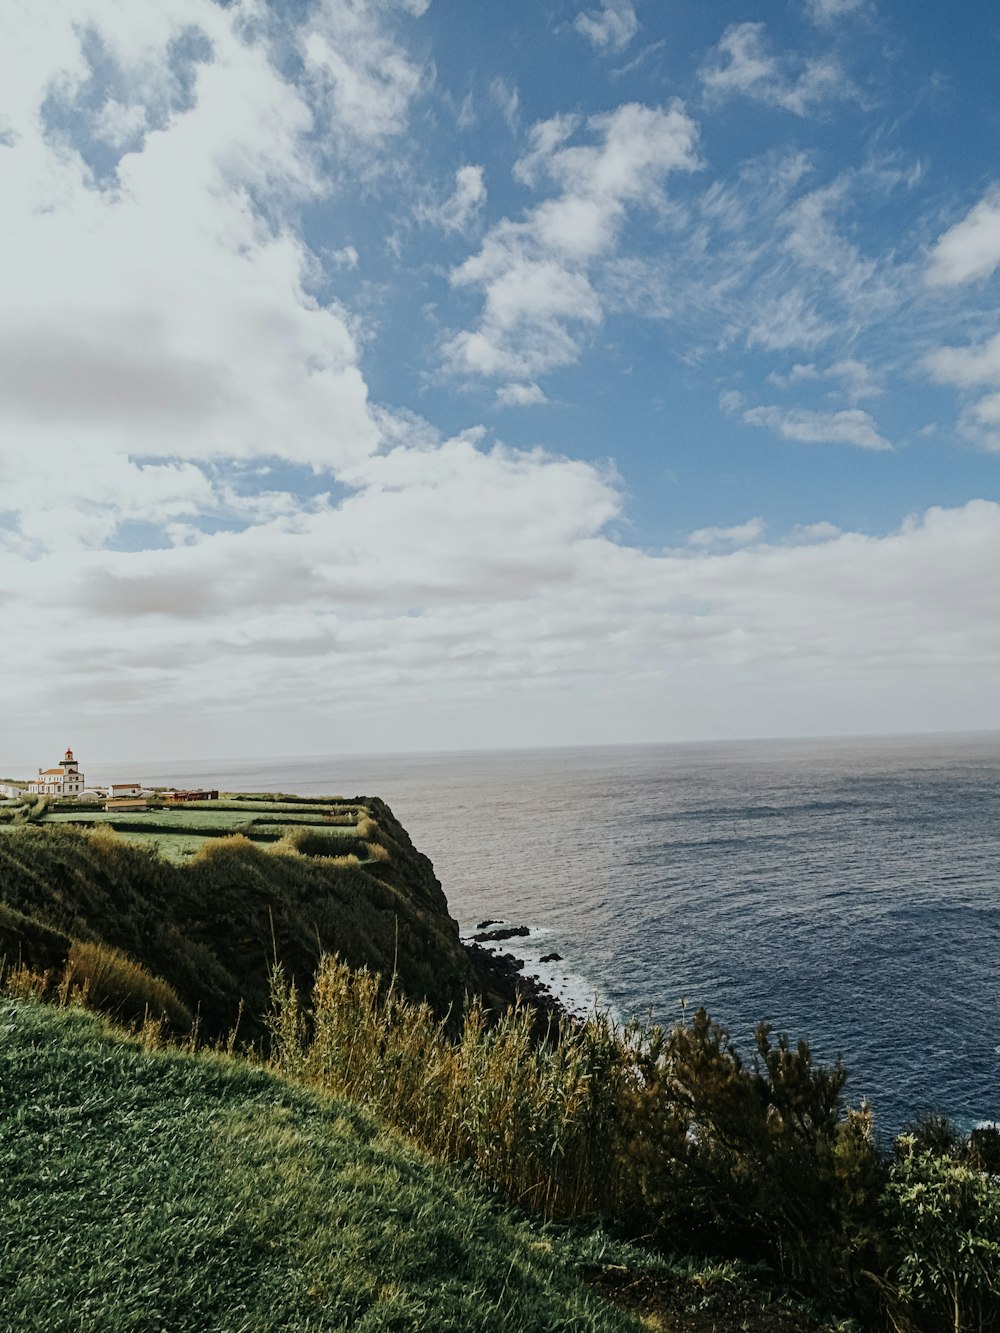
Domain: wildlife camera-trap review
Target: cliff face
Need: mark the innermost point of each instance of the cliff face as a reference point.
(214, 925)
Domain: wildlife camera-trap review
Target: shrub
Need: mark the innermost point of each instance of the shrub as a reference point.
(221, 846)
(944, 1218)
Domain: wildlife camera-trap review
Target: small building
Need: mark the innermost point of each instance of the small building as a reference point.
(118, 790)
(125, 804)
(63, 780)
(10, 791)
(178, 796)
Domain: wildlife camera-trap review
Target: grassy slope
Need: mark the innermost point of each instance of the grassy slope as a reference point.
(160, 1190)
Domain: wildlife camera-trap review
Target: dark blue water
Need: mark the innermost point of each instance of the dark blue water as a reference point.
(844, 891)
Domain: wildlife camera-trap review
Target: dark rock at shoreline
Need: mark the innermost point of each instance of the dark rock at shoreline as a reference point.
(502, 976)
(484, 925)
(504, 933)
(552, 958)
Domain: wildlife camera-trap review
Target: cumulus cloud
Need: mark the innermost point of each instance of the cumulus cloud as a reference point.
(162, 308)
(610, 28)
(743, 64)
(535, 273)
(969, 250)
(973, 367)
(966, 367)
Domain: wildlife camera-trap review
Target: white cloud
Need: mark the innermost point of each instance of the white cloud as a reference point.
(973, 367)
(164, 358)
(535, 273)
(364, 79)
(345, 257)
(743, 534)
(119, 125)
(852, 377)
(743, 64)
(826, 12)
(768, 260)
(486, 577)
(966, 367)
(507, 99)
(848, 427)
(971, 248)
(610, 28)
(520, 395)
(463, 204)
(158, 313)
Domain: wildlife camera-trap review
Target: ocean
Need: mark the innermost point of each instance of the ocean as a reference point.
(844, 891)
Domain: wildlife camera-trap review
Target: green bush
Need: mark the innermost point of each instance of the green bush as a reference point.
(944, 1218)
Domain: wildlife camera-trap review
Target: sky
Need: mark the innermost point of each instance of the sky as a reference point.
(380, 375)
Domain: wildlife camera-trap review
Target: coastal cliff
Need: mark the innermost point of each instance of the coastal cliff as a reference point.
(210, 899)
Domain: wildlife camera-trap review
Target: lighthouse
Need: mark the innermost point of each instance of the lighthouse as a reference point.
(63, 780)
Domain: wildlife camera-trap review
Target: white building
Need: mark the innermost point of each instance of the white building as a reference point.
(124, 790)
(66, 780)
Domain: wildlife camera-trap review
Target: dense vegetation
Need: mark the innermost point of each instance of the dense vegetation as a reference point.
(673, 1135)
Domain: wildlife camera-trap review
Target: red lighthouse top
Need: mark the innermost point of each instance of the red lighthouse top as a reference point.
(68, 756)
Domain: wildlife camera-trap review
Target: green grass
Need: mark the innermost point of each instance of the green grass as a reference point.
(177, 832)
(159, 1190)
(169, 819)
(174, 847)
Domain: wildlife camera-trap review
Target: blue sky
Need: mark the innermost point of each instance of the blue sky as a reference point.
(427, 375)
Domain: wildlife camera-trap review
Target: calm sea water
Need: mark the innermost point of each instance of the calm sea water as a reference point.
(844, 891)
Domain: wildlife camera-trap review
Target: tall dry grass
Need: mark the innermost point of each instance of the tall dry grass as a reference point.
(536, 1118)
(96, 976)
(670, 1132)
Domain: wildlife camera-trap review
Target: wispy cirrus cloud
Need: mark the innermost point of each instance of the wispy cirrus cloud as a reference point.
(744, 64)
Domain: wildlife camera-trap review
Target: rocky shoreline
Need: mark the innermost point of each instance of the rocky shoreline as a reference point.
(506, 974)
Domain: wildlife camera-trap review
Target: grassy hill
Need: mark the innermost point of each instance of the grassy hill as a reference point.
(208, 898)
(148, 1190)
